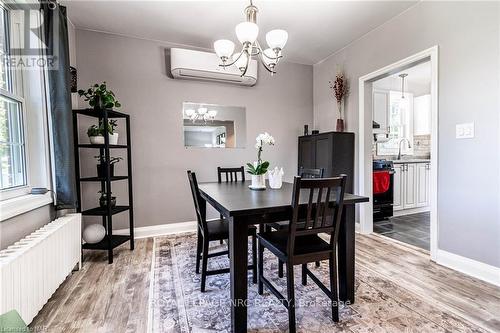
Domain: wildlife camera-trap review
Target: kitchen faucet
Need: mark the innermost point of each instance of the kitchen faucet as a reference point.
(399, 144)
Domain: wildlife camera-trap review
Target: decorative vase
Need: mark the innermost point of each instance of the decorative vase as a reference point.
(96, 140)
(101, 170)
(94, 233)
(258, 182)
(113, 139)
(340, 125)
(103, 201)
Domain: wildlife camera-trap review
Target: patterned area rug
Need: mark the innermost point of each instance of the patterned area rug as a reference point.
(381, 306)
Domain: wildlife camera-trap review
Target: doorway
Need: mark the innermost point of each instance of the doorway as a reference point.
(398, 150)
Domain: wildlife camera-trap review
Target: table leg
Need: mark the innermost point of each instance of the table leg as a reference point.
(346, 255)
(238, 242)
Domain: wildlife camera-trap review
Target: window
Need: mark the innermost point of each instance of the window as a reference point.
(12, 143)
(400, 125)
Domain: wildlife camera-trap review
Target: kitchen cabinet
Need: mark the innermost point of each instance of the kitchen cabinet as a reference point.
(332, 151)
(423, 178)
(411, 185)
(398, 187)
(381, 108)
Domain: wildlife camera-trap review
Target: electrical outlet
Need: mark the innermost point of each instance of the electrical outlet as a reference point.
(464, 131)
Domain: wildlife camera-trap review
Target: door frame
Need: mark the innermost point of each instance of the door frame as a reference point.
(365, 147)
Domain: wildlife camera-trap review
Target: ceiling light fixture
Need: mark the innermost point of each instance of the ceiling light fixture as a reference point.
(247, 33)
(202, 113)
(403, 76)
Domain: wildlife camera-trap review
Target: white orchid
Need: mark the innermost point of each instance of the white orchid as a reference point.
(261, 167)
(264, 138)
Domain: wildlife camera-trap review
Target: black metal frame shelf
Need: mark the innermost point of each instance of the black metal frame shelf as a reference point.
(116, 240)
(100, 179)
(110, 241)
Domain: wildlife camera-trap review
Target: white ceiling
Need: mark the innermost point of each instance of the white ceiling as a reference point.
(316, 28)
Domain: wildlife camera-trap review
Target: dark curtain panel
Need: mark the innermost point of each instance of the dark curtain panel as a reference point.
(55, 36)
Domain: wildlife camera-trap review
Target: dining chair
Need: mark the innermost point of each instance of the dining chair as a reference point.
(214, 230)
(301, 244)
(231, 174)
(283, 225)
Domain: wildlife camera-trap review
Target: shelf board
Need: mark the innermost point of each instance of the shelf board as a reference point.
(100, 179)
(100, 113)
(89, 145)
(116, 240)
(103, 211)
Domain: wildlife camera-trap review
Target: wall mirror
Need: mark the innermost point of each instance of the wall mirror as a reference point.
(214, 126)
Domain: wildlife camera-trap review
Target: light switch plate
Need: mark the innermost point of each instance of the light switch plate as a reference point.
(464, 131)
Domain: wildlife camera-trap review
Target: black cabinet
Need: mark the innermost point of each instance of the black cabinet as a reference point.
(333, 151)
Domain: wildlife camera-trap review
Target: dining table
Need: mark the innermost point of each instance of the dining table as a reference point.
(242, 207)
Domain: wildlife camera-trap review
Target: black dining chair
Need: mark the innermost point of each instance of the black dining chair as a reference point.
(283, 225)
(301, 244)
(231, 174)
(214, 230)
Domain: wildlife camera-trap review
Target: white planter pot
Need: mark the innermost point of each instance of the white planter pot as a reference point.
(113, 139)
(258, 182)
(96, 140)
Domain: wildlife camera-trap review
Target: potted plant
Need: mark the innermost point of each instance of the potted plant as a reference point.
(340, 90)
(101, 167)
(95, 135)
(258, 169)
(99, 97)
(103, 200)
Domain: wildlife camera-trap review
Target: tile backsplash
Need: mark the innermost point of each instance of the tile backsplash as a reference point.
(421, 147)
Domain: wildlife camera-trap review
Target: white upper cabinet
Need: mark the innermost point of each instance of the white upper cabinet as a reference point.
(381, 108)
(422, 115)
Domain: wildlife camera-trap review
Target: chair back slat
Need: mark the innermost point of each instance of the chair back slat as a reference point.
(200, 214)
(231, 174)
(311, 173)
(324, 208)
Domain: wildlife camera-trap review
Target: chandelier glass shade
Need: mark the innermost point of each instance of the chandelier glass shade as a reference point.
(247, 33)
(200, 114)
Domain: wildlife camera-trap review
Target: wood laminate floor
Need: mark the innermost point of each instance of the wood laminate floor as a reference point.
(114, 298)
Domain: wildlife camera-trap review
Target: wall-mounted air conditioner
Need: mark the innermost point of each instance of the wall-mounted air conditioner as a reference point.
(197, 65)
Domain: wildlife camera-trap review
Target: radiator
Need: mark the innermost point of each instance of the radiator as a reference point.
(33, 268)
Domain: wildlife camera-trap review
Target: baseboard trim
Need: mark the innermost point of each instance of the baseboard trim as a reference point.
(159, 230)
(417, 210)
(476, 269)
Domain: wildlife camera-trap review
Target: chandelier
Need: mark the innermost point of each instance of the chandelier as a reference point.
(201, 114)
(247, 33)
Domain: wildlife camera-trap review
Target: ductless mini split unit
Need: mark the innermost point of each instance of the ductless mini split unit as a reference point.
(197, 65)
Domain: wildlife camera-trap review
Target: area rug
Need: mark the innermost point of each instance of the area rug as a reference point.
(177, 305)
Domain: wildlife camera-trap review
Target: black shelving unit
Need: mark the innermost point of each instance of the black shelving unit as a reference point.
(110, 241)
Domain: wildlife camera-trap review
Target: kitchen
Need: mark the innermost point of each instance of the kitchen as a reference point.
(401, 154)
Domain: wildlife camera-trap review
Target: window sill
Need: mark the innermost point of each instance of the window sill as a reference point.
(20, 205)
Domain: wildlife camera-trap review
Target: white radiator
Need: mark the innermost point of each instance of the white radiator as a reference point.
(32, 269)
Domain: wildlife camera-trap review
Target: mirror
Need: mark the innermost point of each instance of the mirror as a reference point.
(214, 126)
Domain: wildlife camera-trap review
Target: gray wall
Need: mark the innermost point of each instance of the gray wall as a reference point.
(135, 70)
(468, 173)
(18, 227)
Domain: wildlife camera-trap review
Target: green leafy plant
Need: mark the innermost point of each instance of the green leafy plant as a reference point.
(102, 159)
(99, 96)
(94, 130)
(260, 168)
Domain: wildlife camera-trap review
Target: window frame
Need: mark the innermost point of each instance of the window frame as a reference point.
(15, 93)
(29, 88)
(384, 149)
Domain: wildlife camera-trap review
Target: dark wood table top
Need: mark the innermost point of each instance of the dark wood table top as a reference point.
(236, 198)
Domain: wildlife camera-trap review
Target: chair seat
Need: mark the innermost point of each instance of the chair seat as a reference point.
(283, 225)
(219, 229)
(308, 244)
